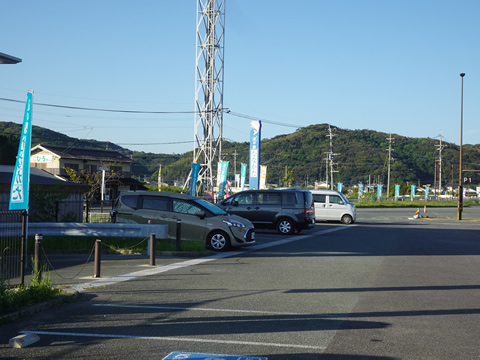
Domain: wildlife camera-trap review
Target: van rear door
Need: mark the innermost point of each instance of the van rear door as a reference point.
(321, 210)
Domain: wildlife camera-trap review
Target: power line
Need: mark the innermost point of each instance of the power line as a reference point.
(260, 119)
(226, 111)
(104, 110)
(159, 143)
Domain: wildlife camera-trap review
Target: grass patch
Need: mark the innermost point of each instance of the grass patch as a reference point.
(40, 289)
(84, 244)
(368, 203)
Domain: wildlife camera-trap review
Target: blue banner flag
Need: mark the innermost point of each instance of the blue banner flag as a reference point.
(397, 192)
(255, 140)
(340, 186)
(360, 191)
(380, 192)
(19, 190)
(412, 191)
(427, 189)
(243, 176)
(223, 179)
(193, 183)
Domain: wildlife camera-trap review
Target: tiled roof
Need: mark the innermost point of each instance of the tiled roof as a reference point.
(37, 177)
(85, 154)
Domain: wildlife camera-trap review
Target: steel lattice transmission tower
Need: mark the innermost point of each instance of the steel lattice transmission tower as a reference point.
(208, 130)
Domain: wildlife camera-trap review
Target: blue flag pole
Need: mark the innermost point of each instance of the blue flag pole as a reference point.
(19, 190)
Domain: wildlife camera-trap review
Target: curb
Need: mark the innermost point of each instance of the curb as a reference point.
(68, 295)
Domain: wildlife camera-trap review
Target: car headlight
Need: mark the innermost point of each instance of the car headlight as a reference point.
(233, 223)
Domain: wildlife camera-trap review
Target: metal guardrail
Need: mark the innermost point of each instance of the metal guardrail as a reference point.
(94, 229)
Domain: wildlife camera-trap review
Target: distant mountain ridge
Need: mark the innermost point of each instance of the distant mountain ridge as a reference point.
(360, 156)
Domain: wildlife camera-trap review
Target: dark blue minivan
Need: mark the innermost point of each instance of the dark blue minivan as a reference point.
(288, 210)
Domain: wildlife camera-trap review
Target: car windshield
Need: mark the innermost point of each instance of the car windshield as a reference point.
(214, 209)
(344, 198)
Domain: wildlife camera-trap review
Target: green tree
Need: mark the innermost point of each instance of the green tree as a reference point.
(46, 203)
(8, 149)
(94, 180)
(289, 179)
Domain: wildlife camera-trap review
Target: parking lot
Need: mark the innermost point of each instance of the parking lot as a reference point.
(375, 289)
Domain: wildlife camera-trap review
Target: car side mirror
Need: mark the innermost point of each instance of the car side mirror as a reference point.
(200, 214)
(235, 203)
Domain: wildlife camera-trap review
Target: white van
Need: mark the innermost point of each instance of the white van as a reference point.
(332, 205)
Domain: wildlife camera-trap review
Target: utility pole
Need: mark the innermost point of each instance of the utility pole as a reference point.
(331, 156)
(390, 139)
(439, 149)
(326, 169)
(452, 181)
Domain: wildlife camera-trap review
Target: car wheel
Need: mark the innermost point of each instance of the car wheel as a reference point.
(218, 241)
(347, 219)
(285, 226)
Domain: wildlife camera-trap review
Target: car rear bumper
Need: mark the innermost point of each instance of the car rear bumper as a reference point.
(309, 223)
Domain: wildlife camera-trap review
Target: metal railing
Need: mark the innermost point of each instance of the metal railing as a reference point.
(10, 247)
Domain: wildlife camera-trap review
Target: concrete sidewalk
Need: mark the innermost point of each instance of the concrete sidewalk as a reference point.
(69, 270)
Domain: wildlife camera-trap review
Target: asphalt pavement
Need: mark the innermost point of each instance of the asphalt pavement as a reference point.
(77, 271)
(345, 292)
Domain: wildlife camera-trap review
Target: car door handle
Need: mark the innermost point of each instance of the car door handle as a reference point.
(253, 208)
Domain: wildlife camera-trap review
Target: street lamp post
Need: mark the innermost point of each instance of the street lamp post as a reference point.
(9, 59)
(460, 175)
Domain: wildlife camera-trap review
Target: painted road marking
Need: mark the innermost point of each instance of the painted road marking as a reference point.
(173, 338)
(184, 264)
(198, 356)
(181, 308)
(161, 269)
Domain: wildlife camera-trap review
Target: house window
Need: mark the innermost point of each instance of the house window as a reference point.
(116, 169)
(42, 166)
(92, 168)
(72, 166)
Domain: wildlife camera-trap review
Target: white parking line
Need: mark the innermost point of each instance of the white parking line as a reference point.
(161, 269)
(180, 308)
(171, 338)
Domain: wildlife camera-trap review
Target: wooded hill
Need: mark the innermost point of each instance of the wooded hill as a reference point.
(360, 155)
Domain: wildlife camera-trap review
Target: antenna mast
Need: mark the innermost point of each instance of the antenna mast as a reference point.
(208, 126)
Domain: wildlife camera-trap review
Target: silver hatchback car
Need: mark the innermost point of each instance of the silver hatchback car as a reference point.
(200, 220)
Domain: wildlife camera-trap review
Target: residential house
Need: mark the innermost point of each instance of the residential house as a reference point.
(55, 159)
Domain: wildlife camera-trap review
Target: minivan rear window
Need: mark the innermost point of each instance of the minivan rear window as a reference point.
(308, 198)
(130, 201)
(267, 198)
(155, 203)
(289, 198)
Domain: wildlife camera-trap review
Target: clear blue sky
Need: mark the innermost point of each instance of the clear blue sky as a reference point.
(389, 66)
